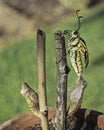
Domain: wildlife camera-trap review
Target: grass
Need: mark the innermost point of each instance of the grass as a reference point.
(18, 64)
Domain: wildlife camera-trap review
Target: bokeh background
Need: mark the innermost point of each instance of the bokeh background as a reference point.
(19, 21)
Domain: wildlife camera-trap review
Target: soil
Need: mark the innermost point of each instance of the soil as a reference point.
(80, 125)
(83, 119)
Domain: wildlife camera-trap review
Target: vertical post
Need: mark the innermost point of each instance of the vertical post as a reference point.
(62, 73)
(41, 37)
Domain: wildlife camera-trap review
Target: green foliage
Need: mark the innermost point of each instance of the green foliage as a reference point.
(18, 64)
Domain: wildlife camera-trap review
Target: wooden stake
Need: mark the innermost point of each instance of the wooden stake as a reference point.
(62, 73)
(41, 37)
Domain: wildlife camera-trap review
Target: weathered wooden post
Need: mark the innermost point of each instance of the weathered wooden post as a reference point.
(62, 74)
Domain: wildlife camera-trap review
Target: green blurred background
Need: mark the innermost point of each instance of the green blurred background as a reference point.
(18, 25)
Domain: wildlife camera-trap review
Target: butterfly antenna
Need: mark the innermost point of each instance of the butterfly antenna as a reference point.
(78, 17)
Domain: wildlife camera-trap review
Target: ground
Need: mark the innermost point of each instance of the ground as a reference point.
(19, 18)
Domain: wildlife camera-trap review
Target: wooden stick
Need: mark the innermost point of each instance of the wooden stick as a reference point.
(62, 73)
(42, 78)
